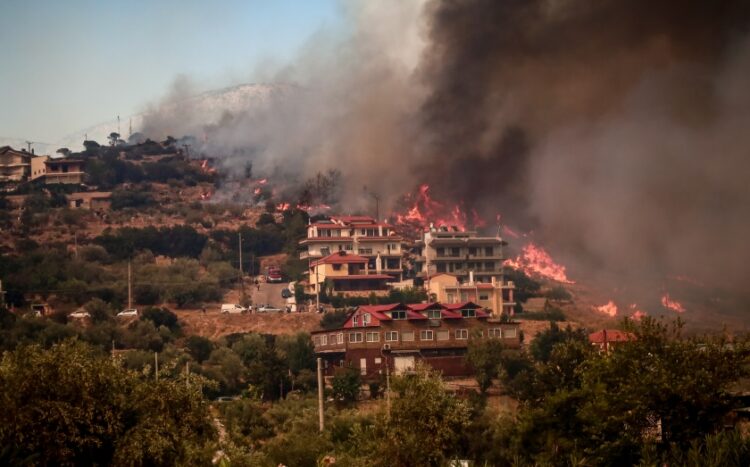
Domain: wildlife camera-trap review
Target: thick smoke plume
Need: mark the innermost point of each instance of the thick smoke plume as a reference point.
(616, 129)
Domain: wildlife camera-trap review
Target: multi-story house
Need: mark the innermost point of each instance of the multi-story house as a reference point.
(392, 338)
(446, 250)
(495, 296)
(15, 166)
(346, 273)
(358, 235)
(59, 170)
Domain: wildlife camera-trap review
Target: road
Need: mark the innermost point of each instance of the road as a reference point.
(267, 293)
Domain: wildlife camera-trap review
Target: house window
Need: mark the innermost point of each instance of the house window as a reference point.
(340, 338)
(426, 335)
(398, 314)
(489, 266)
(509, 333)
(433, 314)
(462, 333)
(366, 319)
(455, 252)
(355, 321)
(391, 336)
(441, 267)
(332, 338)
(316, 341)
(373, 336)
(355, 337)
(378, 360)
(493, 332)
(407, 336)
(451, 297)
(441, 251)
(472, 251)
(488, 251)
(323, 340)
(480, 333)
(484, 297)
(464, 296)
(443, 335)
(337, 267)
(348, 247)
(468, 313)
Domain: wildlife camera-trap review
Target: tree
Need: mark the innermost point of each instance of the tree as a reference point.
(346, 383)
(334, 319)
(199, 347)
(161, 317)
(485, 357)
(541, 347)
(70, 405)
(113, 138)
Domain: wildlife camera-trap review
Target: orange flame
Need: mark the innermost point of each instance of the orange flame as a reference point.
(424, 211)
(257, 191)
(670, 304)
(608, 308)
(637, 313)
(534, 260)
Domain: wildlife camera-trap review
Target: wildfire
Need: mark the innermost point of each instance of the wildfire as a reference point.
(206, 195)
(670, 304)
(206, 168)
(608, 308)
(637, 313)
(257, 191)
(534, 260)
(424, 211)
(283, 206)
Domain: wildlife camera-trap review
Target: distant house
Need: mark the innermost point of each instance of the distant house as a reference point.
(93, 201)
(60, 170)
(15, 166)
(346, 273)
(607, 339)
(493, 295)
(380, 338)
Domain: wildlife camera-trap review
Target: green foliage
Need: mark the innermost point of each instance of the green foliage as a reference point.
(541, 346)
(334, 319)
(558, 293)
(175, 242)
(346, 383)
(199, 347)
(99, 310)
(69, 406)
(525, 286)
(297, 351)
(161, 317)
(551, 314)
(122, 199)
(485, 357)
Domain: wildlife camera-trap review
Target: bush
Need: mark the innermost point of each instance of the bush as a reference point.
(200, 348)
(334, 319)
(558, 293)
(122, 199)
(346, 383)
(161, 317)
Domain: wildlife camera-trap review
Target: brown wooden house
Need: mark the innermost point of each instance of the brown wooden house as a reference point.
(380, 338)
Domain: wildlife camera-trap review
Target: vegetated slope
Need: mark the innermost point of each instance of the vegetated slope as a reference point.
(214, 324)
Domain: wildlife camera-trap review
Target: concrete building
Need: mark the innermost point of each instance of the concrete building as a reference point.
(93, 201)
(380, 338)
(494, 295)
(447, 250)
(61, 170)
(15, 166)
(346, 273)
(357, 235)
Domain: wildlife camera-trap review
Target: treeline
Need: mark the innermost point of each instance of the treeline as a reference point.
(108, 171)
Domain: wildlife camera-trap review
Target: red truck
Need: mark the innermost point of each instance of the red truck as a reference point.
(273, 275)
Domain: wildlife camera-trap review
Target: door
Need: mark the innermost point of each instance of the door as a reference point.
(363, 366)
(403, 364)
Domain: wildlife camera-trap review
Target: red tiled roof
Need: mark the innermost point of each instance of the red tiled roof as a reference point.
(460, 306)
(340, 257)
(448, 314)
(380, 308)
(610, 335)
(425, 306)
(347, 219)
(414, 315)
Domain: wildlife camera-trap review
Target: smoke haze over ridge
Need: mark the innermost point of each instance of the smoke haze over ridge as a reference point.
(617, 130)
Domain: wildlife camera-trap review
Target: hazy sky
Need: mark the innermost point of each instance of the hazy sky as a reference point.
(69, 64)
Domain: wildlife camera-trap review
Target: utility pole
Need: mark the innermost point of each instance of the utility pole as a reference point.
(321, 419)
(317, 291)
(156, 366)
(187, 374)
(242, 281)
(2, 294)
(130, 287)
(75, 244)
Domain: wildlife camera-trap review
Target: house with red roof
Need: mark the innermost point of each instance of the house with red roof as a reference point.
(607, 339)
(392, 338)
(493, 295)
(343, 273)
(357, 235)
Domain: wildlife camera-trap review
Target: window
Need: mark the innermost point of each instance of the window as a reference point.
(441, 267)
(472, 251)
(464, 297)
(373, 336)
(332, 339)
(365, 319)
(355, 320)
(484, 296)
(493, 332)
(340, 338)
(398, 314)
(407, 336)
(391, 336)
(451, 297)
(348, 247)
(480, 333)
(337, 267)
(462, 333)
(489, 266)
(443, 335)
(426, 335)
(441, 251)
(378, 360)
(355, 337)
(316, 341)
(468, 313)
(433, 314)
(488, 251)
(323, 340)
(509, 333)
(455, 252)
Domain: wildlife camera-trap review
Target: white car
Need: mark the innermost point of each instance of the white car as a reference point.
(232, 308)
(79, 315)
(128, 312)
(268, 309)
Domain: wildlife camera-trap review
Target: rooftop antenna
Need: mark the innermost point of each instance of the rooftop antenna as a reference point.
(118, 124)
(28, 144)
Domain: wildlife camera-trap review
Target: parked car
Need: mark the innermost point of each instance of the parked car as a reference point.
(273, 275)
(268, 309)
(79, 315)
(128, 312)
(286, 293)
(232, 308)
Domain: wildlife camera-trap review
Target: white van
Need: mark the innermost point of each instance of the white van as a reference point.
(232, 308)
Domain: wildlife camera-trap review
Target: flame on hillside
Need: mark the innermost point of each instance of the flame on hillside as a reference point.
(423, 211)
(609, 309)
(534, 260)
(637, 313)
(671, 304)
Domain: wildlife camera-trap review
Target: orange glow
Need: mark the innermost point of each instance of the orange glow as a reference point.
(608, 308)
(637, 313)
(534, 260)
(424, 210)
(257, 191)
(670, 304)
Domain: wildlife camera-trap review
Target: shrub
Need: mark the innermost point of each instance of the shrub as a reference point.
(346, 383)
